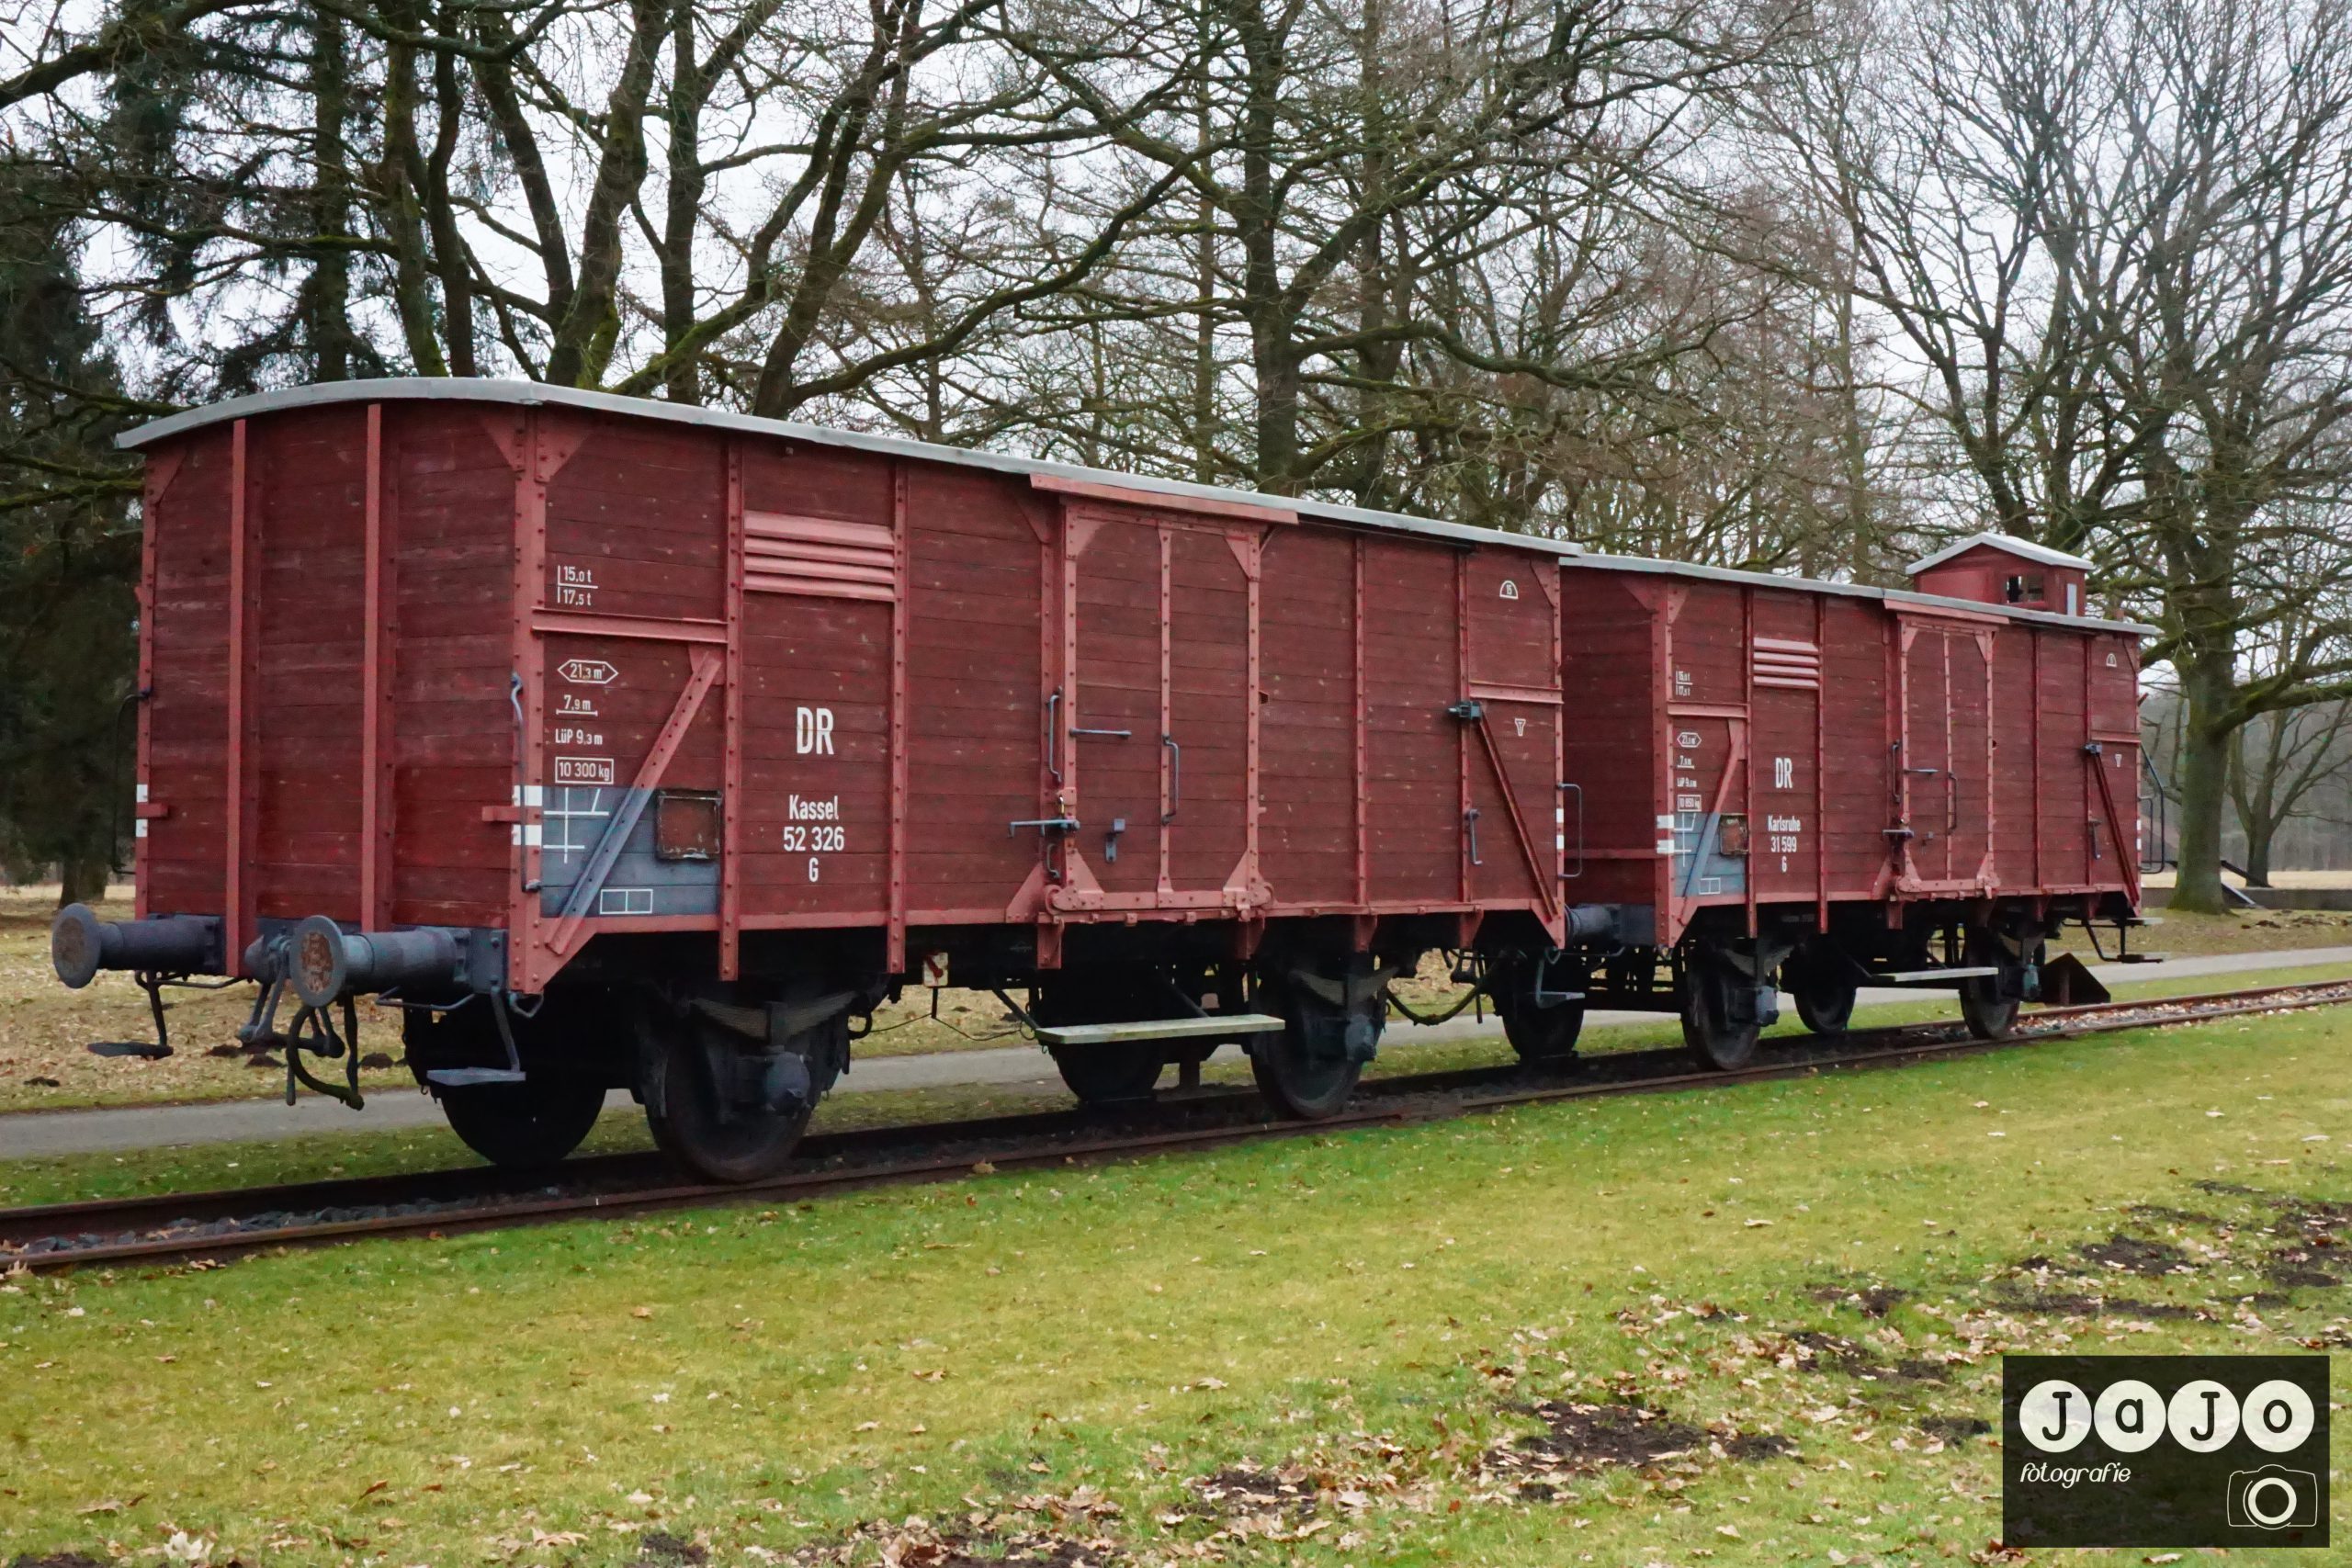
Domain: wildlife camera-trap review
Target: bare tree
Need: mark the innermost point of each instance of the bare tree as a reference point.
(2116, 235)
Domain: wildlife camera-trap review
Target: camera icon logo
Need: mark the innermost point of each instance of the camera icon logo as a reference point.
(2273, 1498)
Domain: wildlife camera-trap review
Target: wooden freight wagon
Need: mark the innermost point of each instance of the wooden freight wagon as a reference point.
(1842, 785)
(628, 743)
(623, 743)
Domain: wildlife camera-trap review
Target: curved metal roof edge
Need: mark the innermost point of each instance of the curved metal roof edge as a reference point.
(1858, 590)
(486, 389)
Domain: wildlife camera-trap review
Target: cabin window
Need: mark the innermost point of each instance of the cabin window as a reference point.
(2023, 588)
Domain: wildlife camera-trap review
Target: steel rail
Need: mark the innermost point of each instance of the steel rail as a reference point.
(648, 1186)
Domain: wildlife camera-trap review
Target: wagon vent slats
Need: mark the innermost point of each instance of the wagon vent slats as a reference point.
(1778, 661)
(818, 555)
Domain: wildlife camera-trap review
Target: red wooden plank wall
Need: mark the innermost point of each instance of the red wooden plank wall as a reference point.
(900, 624)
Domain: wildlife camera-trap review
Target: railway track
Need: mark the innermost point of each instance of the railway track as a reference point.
(182, 1227)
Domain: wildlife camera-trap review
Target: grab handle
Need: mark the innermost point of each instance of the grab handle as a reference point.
(1578, 791)
(1175, 778)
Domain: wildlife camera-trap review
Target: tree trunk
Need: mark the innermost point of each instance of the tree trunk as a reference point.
(2203, 779)
(2258, 837)
(81, 879)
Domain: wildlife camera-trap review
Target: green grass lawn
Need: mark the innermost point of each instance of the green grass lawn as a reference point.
(1320, 1351)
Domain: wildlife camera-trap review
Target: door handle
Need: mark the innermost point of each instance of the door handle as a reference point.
(1054, 734)
(1470, 825)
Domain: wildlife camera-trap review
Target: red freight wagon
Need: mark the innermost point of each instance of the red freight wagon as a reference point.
(1837, 785)
(630, 744)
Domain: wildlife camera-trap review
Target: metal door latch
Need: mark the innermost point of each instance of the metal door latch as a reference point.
(1044, 825)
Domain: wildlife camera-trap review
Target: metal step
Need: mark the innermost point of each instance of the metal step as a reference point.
(1161, 1029)
(1933, 976)
(2141, 957)
(465, 1077)
(2141, 920)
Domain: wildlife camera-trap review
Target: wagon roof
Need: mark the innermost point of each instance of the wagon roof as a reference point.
(2009, 543)
(1895, 596)
(535, 394)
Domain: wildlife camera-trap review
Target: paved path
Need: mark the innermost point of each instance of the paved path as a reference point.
(133, 1127)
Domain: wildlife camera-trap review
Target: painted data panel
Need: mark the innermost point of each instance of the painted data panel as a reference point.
(1707, 750)
(1207, 750)
(1111, 711)
(636, 521)
(816, 809)
(608, 701)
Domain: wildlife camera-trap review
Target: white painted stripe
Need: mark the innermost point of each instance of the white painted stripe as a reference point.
(139, 828)
(1666, 819)
(532, 833)
(1665, 846)
(142, 795)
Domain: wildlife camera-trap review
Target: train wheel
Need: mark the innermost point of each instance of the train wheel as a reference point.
(1108, 1075)
(1717, 1029)
(1988, 1003)
(1826, 1007)
(1310, 1068)
(1542, 1035)
(1824, 981)
(525, 1126)
(704, 1112)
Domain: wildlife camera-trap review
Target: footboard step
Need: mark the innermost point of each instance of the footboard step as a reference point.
(1934, 976)
(465, 1077)
(1161, 1029)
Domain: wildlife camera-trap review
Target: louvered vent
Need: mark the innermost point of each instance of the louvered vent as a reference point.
(1793, 665)
(818, 555)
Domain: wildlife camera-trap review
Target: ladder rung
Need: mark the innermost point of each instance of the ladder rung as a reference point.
(1161, 1028)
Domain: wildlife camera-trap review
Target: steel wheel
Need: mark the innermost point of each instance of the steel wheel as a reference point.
(1108, 1075)
(1543, 1036)
(705, 1125)
(1709, 1027)
(1988, 1003)
(1307, 1071)
(1827, 1006)
(525, 1126)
